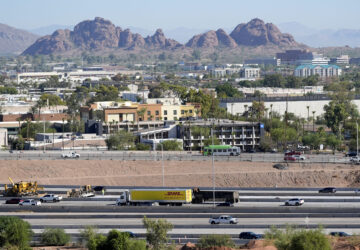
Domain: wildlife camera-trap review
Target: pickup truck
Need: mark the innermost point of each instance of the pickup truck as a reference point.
(70, 155)
(50, 198)
(223, 219)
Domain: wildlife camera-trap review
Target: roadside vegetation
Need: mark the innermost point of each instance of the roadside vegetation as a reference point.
(298, 239)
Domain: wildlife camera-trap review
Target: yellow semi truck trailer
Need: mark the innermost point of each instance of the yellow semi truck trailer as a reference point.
(138, 197)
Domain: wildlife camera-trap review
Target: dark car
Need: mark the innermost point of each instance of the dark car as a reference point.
(249, 235)
(14, 201)
(131, 234)
(252, 151)
(351, 154)
(328, 190)
(99, 188)
(225, 204)
(340, 234)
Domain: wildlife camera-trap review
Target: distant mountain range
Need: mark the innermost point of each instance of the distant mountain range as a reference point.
(100, 34)
(14, 41)
(322, 38)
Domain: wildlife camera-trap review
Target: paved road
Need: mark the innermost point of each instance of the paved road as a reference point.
(168, 156)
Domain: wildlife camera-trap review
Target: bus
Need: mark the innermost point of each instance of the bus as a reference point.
(222, 150)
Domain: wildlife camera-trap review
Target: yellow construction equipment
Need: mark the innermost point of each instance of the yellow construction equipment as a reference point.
(83, 191)
(21, 188)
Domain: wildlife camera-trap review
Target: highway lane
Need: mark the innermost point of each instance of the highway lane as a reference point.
(272, 203)
(198, 222)
(168, 156)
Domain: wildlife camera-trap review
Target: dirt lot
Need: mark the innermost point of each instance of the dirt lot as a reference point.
(178, 173)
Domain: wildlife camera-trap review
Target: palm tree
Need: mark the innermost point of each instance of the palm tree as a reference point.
(308, 107)
(313, 120)
(140, 113)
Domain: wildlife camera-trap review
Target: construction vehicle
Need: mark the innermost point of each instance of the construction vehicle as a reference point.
(202, 196)
(142, 197)
(21, 188)
(83, 191)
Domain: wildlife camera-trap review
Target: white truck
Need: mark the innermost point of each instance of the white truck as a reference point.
(223, 219)
(50, 198)
(70, 155)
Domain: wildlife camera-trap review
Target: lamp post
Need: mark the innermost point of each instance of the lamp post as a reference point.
(212, 162)
(63, 120)
(357, 138)
(162, 164)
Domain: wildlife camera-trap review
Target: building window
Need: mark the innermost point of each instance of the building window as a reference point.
(157, 118)
(190, 111)
(174, 112)
(149, 119)
(165, 118)
(157, 112)
(165, 112)
(182, 112)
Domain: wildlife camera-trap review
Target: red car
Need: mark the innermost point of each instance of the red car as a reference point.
(14, 201)
(289, 158)
(289, 153)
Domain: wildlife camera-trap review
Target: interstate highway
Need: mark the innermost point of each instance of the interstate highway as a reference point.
(168, 156)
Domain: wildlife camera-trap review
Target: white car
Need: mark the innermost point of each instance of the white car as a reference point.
(299, 157)
(70, 155)
(355, 159)
(51, 198)
(30, 202)
(223, 219)
(294, 202)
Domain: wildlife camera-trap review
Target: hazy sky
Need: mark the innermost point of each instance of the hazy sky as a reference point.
(167, 14)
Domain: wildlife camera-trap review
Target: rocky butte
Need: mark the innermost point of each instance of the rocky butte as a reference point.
(100, 34)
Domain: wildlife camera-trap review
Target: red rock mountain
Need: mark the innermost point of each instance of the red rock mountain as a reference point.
(256, 32)
(212, 39)
(98, 34)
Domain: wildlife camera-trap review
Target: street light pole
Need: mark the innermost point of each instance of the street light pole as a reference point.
(162, 164)
(357, 138)
(212, 161)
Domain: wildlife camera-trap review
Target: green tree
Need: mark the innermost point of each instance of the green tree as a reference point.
(8, 90)
(54, 237)
(51, 100)
(313, 139)
(105, 93)
(170, 145)
(115, 240)
(293, 82)
(120, 141)
(227, 90)
(142, 146)
(335, 115)
(257, 110)
(274, 80)
(156, 232)
(310, 240)
(215, 240)
(292, 239)
(332, 141)
(209, 141)
(15, 232)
